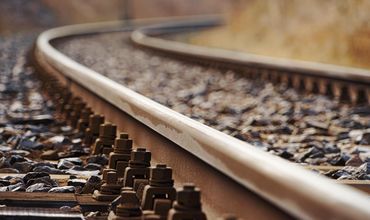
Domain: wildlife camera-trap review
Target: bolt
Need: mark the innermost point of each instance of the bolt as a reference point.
(85, 114)
(107, 130)
(161, 175)
(83, 122)
(111, 178)
(126, 189)
(162, 206)
(120, 167)
(140, 157)
(94, 123)
(129, 206)
(187, 204)
(123, 145)
(110, 189)
(161, 165)
(69, 107)
(123, 135)
(189, 196)
(74, 117)
(92, 131)
(160, 186)
(105, 174)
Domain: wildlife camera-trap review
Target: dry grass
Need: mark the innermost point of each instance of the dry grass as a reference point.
(330, 31)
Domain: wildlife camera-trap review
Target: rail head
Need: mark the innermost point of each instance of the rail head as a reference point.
(146, 36)
(292, 188)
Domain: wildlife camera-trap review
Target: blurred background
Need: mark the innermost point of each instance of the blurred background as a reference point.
(23, 15)
(330, 31)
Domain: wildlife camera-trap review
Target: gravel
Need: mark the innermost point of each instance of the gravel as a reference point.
(28, 126)
(303, 128)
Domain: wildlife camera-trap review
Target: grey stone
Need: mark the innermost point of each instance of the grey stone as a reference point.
(27, 144)
(38, 187)
(48, 169)
(45, 179)
(65, 164)
(92, 184)
(77, 182)
(8, 170)
(49, 155)
(93, 166)
(99, 159)
(63, 189)
(34, 175)
(23, 167)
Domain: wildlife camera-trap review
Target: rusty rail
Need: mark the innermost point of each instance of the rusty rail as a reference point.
(231, 172)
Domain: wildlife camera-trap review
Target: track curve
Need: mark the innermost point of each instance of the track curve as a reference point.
(347, 81)
(286, 187)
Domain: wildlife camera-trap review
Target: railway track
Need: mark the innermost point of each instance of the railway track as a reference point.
(233, 175)
(343, 83)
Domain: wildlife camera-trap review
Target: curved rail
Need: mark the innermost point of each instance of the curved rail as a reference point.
(290, 187)
(145, 37)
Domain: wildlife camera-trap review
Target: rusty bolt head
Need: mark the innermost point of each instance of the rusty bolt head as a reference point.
(130, 204)
(105, 172)
(124, 144)
(94, 123)
(85, 114)
(140, 155)
(123, 135)
(108, 130)
(126, 188)
(111, 178)
(162, 206)
(161, 172)
(189, 196)
(129, 197)
(120, 167)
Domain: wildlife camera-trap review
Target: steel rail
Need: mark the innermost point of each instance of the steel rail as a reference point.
(299, 192)
(145, 36)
